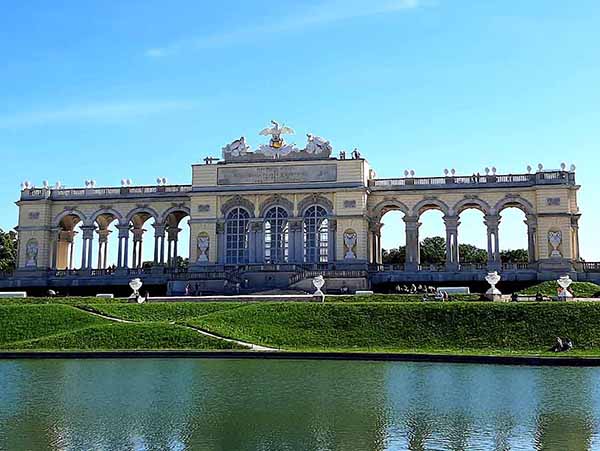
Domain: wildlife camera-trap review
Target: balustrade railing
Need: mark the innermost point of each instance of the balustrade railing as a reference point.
(124, 191)
(545, 177)
(590, 266)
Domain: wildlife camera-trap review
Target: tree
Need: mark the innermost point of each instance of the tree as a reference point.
(433, 250)
(472, 254)
(8, 250)
(394, 256)
(514, 256)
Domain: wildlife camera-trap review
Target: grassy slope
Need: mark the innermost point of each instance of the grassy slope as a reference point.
(57, 326)
(397, 298)
(550, 288)
(25, 322)
(161, 312)
(487, 327)
(121, 336)
(61, 300)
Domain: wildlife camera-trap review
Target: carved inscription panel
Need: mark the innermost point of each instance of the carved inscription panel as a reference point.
(277, 174)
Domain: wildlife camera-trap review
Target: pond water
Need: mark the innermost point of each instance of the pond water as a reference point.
(268, 405)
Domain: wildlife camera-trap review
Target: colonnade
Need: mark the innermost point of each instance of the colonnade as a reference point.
(62, 245)
(451, 223)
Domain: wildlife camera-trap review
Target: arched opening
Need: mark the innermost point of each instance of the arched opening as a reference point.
(432, 241)
(276, 235)
(177, 230)
(140, 246)
(473, 248)
(513, 236)
(237, 224)
(105, 247)
(393, 237)
(70, 243)
(315, 227)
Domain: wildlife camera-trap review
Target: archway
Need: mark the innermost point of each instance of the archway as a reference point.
(177, 229)
(393, 237)
(513, 237)
(69, 242)
(473, 247)
(105, 247)
(432, 241)
(140, 223)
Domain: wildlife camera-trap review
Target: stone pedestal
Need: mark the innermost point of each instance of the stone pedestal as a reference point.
(493, 295)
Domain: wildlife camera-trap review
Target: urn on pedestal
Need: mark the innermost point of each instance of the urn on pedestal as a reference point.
(493, 294)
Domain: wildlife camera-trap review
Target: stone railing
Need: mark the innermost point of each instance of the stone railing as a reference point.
(588, 266)
(448, 182)
(105, 193)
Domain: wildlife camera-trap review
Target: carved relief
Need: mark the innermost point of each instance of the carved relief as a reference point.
(31, 253)
(350, 240)
(203, 247)
(555, 238)
(315, 199)
(238, 201)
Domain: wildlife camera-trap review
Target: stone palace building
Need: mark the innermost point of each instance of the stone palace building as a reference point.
(276, 216)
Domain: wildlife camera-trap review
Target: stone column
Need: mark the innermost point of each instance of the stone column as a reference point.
(375, 232)
(575, 232)
(86, 251)
(172, 235)
(332, 241)
(413, 251)
(492, 223)
(220, 231)
(452, 253)
(71, 241)
(295, 251)
(138, 239)
(253, 240)
(102, 247)
(531, 221)
(159, 243)
(54, 240)
(123, 257)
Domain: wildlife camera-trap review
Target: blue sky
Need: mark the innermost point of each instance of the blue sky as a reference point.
(141, 89)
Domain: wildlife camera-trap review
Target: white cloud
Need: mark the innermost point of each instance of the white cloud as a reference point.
(91, 112)
(327, 12)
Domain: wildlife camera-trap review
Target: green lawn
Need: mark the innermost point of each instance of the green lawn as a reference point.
(161, 312)
(398, 298)
(481, 328)
(73, 300)
(503, 327)
(26, 322)
(122, 336)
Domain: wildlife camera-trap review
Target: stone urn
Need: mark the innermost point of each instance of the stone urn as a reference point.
(564, 282)
(319, 282)
(493, 294)
(135, 285)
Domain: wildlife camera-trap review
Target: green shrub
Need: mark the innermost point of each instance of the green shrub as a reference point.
(550, 288)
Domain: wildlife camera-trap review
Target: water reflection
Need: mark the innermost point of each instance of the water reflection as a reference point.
(228, 405)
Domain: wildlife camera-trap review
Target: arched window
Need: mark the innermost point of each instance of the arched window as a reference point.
(316, 235)
(236, 236)
(276, 235)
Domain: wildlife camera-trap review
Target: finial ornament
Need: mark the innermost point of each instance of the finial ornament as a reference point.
(277, 149)
(276, 131)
